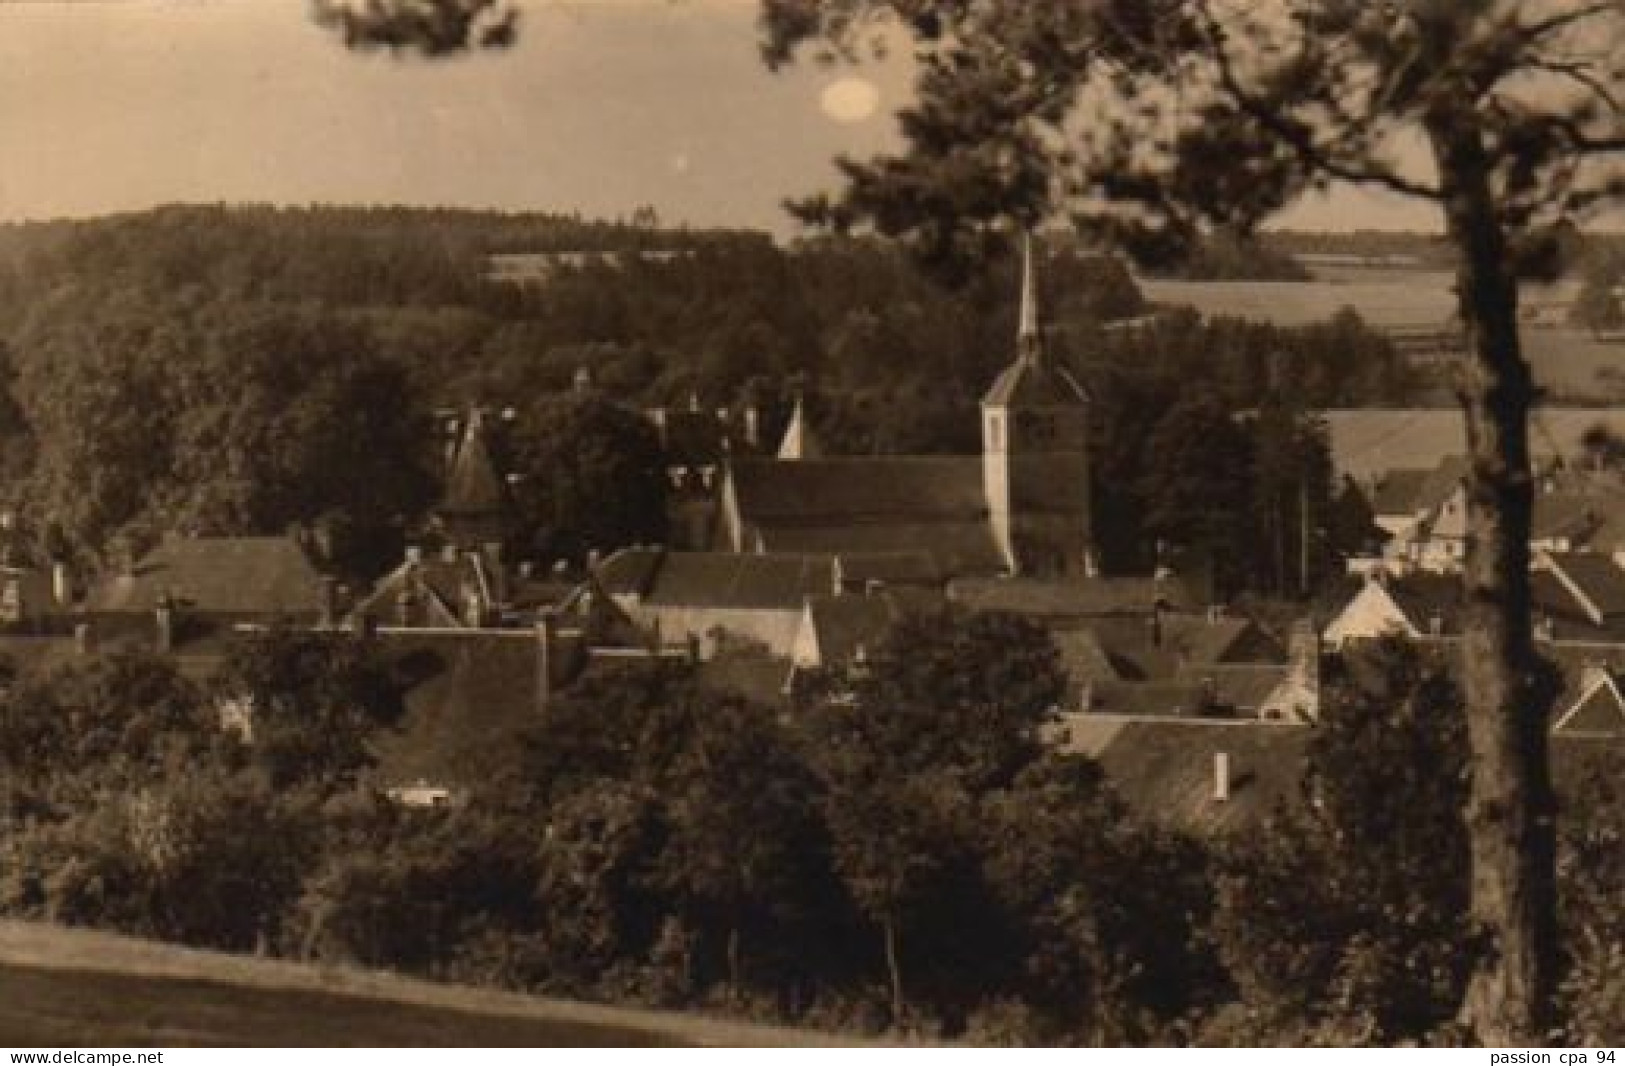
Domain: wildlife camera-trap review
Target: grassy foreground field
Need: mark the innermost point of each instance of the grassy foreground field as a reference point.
(67, 987)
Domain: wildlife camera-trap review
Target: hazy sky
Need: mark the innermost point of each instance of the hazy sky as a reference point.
(603, 106)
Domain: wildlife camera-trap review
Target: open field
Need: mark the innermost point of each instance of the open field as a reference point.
(1572, 364)
(69, 987)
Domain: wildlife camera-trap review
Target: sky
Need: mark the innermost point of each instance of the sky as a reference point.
(603, 106)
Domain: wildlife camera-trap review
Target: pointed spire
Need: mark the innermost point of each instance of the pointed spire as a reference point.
(472, 483)
(798, 442)
(1029, 342)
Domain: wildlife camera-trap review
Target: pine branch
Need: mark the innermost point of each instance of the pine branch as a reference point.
(1296, 134)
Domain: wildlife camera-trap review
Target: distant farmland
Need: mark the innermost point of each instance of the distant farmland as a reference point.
(1572, 364)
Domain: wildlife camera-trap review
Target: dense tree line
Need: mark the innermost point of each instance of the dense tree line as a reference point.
(249, 368)
(905, 851)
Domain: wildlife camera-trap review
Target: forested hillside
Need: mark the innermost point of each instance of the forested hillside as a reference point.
(231, 369)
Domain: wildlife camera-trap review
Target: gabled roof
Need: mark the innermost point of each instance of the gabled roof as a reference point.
(1082, 655)
(1169, 645)
(1423, 597)
(851, 490)
(1564, 514)
(916, 567)
(1244, 687)
(1164, 769)
(1408, 491)
(473, 485)
(868, 505)
(1073, 597)
(716, 579)
(1399, 492)
(1597, 585)
(247, 576)
(1597, 711)
(436, 584)
(843, 624)
(1035, 383)
(1443, 480)
(719, 579)
(468, 697)
(628, 571)
(799, 441)
(956, 546)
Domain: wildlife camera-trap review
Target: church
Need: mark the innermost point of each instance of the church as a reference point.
(1019, 508)
(1022, 507)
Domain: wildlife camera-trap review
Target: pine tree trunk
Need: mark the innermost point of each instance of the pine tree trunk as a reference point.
(733, 963)
(1510, 809)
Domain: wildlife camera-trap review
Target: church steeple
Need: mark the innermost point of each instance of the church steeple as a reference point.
(1035, 461)
(1029, 342)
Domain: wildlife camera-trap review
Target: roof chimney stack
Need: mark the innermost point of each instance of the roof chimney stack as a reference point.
(62, 583)
(164, 618)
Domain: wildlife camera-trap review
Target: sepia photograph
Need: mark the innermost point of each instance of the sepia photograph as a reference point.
(811, 523)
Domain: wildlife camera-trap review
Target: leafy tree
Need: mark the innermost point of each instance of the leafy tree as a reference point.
(128, 711)
(597, 876)
(1098, 956)
(1592, 880)
(746, 847)
(1149, 123)
(286, 418)
(946, 709)
(591, 475)
(108, 370)
(717, 811)
(1291, 483)
(1196, 482)
(313, 701)
(1349, 914)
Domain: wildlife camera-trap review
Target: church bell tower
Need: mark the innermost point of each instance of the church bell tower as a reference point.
(1035, 454)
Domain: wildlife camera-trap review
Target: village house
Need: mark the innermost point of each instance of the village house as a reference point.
(1578, 605)
(1423, 514)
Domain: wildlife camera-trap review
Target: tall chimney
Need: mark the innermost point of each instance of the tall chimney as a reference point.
(164, 617)
(62, 583)
(546, 652)
(330, 601)
(1221, 776)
